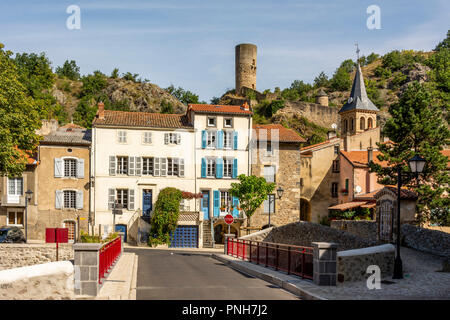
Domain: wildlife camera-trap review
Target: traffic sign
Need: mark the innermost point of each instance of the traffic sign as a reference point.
(229, 219)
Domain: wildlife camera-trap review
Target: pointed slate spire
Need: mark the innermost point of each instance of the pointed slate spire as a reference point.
(358, 97)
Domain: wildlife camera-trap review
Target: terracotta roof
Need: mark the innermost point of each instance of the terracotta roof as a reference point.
(284, 134)
(347, 205)
(405, 193)
(367, 196)
(30, 159)
(142, 119)
(360, 158)
(214, 108)
(330, 141)
(68, 136)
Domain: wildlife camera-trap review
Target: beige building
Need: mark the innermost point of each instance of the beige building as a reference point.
(276, 157)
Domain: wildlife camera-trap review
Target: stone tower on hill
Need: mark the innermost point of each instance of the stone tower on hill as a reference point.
(245, 67)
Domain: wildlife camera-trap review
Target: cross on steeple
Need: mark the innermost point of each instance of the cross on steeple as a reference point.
(357, 51)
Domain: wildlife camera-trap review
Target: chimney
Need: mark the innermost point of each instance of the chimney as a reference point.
(369, 154)
(245, 106)
(101, 111)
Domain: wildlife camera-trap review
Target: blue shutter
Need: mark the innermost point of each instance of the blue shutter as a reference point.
(203, 168)
(235, 140)
(203, 139)
(234, 173)
(219, 168)
(220, 139)
(235, 205)
(216, 203)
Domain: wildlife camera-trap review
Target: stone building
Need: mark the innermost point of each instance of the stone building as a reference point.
(276, 157)
(63, 181)
(245, 67)
(322, 98)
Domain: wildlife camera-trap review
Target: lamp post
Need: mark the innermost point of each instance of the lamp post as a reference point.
(28, 195)
(416, 165)
(280, 194)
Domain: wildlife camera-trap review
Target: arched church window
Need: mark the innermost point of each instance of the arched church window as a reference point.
(352, 124)
(370, 123)
(362, 123)
(345, 125)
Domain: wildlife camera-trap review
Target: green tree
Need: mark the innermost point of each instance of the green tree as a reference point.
(372, 58)
(341, 80)
(19, 118)
(93, 84)
(131, 77)
(85, 112)
(166, 107)
(184, 96)
(321, 80)
(251, 192)
(165, 216)
(416, 126)
(115, 73)
(215, 100)
(70, 70)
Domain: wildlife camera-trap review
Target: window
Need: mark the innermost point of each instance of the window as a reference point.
(227, 167)
(269, 173)
(15, 218)
(147, 138)
(335, 166)
(227, 138)
(211, 122)
(352, 124)
(369, 123)
(122, 136)
(362, 123)
(336, 150)
(15, 186)
(269, 150)
(345, 125)
(334, 189)
(172, 138)
(70, 168)
(269, 204)
(228, 122)
(172, 166)
(211, 137)
(147, 166)
(122, 197)
(70, 199)
(211, 167)
(122, 165)
(225, 201)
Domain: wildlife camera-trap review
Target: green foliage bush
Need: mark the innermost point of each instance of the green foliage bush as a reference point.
(165, 216)
(69, 70)
(398, 80)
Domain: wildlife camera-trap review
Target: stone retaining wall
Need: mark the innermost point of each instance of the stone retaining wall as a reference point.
(361, 228)
(426, 240)
(48, 281)
(19, 255)
(304, 233)
(257, 236)
(352, 264)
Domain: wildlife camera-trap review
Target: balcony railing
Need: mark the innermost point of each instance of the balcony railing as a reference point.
(295, 260)
(108, 255)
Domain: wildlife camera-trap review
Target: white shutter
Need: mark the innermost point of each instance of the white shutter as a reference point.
(79, 200)
(156, 171)
(181, 168)
(80, 168)
(178, 138)
(112, 165)
(138, 166)
(58, 199)
(166, 138)
(131, 199)
(163, 166)
(131, 162)
(111, 198)
(58, 167)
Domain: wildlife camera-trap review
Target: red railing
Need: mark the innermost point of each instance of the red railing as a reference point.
(295, 260)
(108, 255)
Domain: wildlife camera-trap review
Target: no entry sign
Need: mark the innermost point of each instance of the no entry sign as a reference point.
(229, 219)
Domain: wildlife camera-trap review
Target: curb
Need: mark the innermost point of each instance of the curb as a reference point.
(288, 285)
(133, 283)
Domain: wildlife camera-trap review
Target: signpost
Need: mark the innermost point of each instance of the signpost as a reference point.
(228, 220)
(57, 235)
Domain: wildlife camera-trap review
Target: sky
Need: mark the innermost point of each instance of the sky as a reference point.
(190, 43)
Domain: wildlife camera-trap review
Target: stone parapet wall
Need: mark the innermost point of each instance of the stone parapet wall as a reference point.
(20, 255)
(426, 240)
(304, 233)
(361, 228)
(48, 281)
(257, 236)
(352, 264)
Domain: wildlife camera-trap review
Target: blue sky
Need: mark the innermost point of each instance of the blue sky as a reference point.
(190, 43)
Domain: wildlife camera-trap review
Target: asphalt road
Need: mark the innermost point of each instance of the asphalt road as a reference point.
(187, 275)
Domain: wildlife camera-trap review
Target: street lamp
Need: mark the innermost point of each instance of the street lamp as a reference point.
(416, 164)
(28, 195)
(280, 194)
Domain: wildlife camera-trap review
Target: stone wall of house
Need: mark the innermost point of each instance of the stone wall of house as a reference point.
(304, 233)
(426, 240)
(19, 255)
(352, 264)
(361, 228)
(48, 281)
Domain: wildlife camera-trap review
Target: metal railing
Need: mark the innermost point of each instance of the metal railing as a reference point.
(292, 259)
(108, 255)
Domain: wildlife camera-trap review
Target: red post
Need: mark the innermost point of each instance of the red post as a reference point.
(257, 253)
(266, 254)
(250, 253)
(289, 260)
(243, 249)
(303, 263)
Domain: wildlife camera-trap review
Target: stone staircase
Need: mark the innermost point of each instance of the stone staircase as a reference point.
(207, 236)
